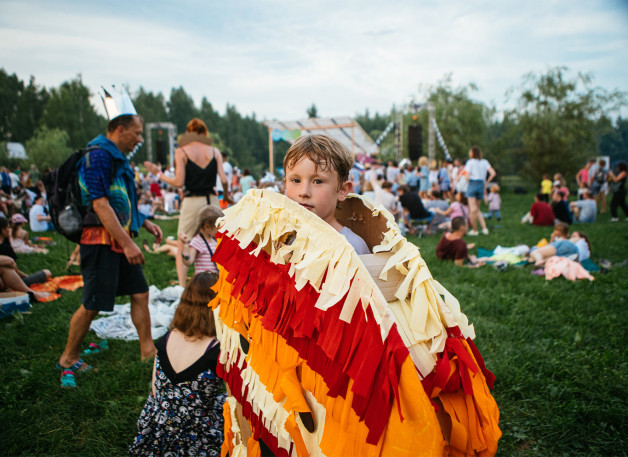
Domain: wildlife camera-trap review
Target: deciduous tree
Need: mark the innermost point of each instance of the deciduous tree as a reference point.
(69, 109)
(556, 117)
(48, 148)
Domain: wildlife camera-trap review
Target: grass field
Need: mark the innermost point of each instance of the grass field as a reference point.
(557, 348)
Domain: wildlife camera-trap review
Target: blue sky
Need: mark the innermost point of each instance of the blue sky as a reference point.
(276, 58)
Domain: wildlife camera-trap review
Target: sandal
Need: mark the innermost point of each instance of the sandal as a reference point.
(78, 367)
(95, 348)
(67, 379)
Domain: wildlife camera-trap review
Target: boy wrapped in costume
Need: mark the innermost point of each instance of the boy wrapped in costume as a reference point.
(329, 353)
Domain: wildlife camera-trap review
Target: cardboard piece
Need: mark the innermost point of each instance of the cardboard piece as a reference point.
(353, 214)
(375, 263)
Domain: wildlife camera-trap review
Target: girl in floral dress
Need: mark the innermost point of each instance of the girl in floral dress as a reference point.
(183, 413)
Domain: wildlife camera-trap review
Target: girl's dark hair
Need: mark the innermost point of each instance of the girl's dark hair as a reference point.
(193, 317)
(585, 238)
(4, 223)
(621, 166)
(15, 228)
(476, 152)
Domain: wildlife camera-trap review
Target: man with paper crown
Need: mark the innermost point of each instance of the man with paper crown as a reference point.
(111, 263)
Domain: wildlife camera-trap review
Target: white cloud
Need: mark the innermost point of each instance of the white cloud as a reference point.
(275, 58)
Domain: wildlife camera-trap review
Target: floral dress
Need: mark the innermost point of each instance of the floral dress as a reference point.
(184, 417)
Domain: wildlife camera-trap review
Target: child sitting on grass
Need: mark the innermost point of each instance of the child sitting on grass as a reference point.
(317, 177)
(183, 412)
(453, 247)
(19, 237)
(201, 249)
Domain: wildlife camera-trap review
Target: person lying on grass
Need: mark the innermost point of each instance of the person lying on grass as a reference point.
(452, 246)
(559, 245)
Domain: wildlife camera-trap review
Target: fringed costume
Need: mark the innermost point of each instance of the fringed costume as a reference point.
(327, 353)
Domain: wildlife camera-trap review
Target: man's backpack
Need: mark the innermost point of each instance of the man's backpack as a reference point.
(64, 196)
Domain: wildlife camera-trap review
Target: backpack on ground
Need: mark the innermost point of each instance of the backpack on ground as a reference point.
(64, 196)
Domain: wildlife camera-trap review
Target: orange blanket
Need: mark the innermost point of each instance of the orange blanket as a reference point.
(58, 282)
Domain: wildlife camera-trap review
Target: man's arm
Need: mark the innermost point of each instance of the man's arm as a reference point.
(111, 223)
(154, 230)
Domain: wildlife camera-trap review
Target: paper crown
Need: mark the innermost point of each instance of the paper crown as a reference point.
(117, 102)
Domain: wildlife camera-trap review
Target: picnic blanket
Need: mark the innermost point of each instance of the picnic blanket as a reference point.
(118, 324)
(511, 255)
(72, 282)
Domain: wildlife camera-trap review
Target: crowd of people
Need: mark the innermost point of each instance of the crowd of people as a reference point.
(595, 181)
(424, 199)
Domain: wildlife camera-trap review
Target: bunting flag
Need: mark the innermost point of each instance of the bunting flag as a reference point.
(383, 135)
(323, 359)
(439, 137)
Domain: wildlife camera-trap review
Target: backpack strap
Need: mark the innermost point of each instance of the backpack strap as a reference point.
(211, 253)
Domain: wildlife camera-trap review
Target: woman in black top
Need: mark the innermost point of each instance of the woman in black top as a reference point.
(197, 163)
(618, 187)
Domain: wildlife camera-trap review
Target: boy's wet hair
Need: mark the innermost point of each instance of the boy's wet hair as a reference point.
(324, 151)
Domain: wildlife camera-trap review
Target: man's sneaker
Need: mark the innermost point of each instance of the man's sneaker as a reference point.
(472, 233)
(614, 219)
(484, 231)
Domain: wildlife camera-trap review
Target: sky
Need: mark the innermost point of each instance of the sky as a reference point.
(275, 58)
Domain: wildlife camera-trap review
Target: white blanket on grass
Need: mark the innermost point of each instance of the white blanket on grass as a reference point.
(118, 324)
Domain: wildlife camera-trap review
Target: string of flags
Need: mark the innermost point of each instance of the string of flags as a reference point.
(384, 133)
(439, 137)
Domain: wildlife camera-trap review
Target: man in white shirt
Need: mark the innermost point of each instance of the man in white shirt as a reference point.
(392, 172)
(38, 219)
(384, 195)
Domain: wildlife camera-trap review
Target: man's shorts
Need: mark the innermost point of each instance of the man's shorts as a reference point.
(475, 189)
(106, 275)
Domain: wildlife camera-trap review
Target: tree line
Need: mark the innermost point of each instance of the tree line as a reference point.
(557, 122)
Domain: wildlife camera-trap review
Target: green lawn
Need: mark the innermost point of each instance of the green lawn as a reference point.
(557, 349)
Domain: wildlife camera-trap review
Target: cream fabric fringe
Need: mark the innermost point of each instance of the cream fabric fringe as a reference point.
(424, 309)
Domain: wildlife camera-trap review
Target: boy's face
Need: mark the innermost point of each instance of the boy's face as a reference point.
(316, 189)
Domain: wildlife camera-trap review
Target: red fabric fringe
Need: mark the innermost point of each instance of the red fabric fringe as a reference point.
(234, 379)
(337, 350)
